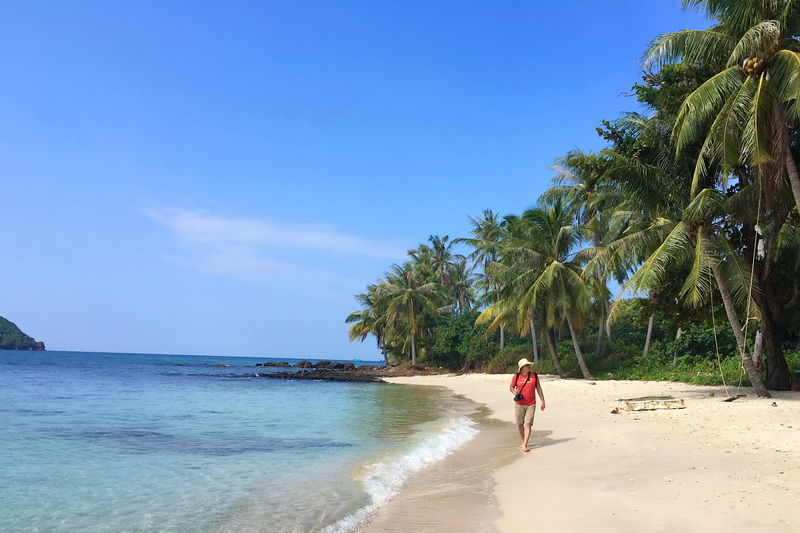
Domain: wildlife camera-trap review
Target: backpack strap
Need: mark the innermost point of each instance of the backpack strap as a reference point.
(516, 381)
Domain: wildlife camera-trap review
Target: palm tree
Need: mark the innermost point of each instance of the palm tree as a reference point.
(409, 304)
(461, 286)
(671, 232)
(742, 125)
(422, 262)
(538, 272)
(744, 114)
(487, 233)
(583, 182)
(695, 239)
(371, 319)
(442, 257)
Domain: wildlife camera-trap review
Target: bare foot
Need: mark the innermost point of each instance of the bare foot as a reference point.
(524, 448)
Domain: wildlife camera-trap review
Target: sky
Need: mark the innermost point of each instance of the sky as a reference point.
(222, 177)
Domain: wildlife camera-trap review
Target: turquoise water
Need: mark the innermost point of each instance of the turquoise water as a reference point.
(125, 442)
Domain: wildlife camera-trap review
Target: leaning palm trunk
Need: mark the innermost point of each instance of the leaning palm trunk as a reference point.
(578, 353)
(553, 354)
(533, 340)
(598, 348)
(384, 353)
(794, 178)
(747, 361)
(649, 335)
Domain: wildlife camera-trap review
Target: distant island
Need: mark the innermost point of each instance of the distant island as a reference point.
(12, 338)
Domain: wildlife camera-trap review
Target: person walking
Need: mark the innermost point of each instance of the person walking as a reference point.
(524, 386)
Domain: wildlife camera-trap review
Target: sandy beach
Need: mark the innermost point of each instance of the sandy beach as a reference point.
(712, 466)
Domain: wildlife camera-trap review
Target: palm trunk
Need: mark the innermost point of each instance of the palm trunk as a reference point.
(776, 369)
(649, 335)
(578, 353)
(385, 354)
(502, 336)
(675, 354)
(758, 350)
(747, 361)
(598, 348)
(413, 350)
(794, 178)
(553, 354)
(533, 340)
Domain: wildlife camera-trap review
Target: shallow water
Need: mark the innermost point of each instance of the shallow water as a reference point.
(125, 442)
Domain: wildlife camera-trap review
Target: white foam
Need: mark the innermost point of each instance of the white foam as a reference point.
(385, 478)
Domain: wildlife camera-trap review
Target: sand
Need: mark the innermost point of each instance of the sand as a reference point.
(712, 466)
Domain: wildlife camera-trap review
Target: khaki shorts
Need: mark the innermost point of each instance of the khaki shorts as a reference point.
(524, 413)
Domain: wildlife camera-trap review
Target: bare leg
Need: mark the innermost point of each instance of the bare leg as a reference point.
(524, 434)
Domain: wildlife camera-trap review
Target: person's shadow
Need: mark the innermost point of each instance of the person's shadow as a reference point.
(539, 439)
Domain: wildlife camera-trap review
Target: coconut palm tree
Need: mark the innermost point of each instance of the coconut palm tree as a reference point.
(461, 286)
(538, 270)
(583, 182)
(498, 315)
(745, 113)
(442, 257)
(410, 303)
(673, 231)
(742, 127)
(697, 240)
(371, 319)
(487, 233)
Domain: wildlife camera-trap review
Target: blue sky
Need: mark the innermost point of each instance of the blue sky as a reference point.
(221, 177)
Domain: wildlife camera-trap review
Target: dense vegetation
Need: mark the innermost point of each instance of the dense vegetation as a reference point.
(692, 207)
(11, 338)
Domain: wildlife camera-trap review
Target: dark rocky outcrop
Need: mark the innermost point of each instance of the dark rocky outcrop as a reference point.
(326, 375)
(335, 371)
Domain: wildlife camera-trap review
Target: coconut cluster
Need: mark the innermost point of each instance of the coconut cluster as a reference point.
(753, 65)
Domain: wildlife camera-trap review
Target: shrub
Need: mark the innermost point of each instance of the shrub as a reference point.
(792, 359)
(505, 362)
(457, 343)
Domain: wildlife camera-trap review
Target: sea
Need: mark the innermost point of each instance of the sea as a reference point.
(110, 442)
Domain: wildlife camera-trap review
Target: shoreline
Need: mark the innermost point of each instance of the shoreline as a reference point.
(710, 466)
(455, 493)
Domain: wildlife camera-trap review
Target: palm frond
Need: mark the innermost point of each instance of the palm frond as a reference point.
(633, 248)
(758, 125)
(725, 132)
(787, 242)
(490, 314)
(701, 166)
(756, 42)
(784, 74)
(697, 285)
(702, 103)
(737, 16)
(737, 273)
(689, 46)
(654, 268)
(704, 206)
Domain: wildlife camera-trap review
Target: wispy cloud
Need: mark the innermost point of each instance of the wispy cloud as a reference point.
(262, 250)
